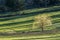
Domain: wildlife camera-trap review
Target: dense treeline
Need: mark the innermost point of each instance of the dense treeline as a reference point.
(46, 3)
(15, 4)
(19, 4)
(22, 4)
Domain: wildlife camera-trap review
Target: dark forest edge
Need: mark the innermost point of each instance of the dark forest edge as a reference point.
(17, 5)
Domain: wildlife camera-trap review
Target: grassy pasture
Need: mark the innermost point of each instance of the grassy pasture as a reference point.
(17, 22)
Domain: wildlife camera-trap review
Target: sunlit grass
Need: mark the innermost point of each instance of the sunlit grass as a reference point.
(40, 37)
(25, 24)
(17, 20)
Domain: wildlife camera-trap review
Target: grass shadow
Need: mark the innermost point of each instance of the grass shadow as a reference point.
(9, 24)
(40, 38)
(29, 14)
(42, 11)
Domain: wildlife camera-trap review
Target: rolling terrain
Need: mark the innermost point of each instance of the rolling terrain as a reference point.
(18, 25)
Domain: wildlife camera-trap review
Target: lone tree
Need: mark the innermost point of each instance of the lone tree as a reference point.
(42, 21)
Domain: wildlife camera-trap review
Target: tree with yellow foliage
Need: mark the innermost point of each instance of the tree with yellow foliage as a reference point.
(42, 21)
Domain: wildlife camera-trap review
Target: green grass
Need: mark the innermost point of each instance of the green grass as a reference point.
(22, 23)
(33, 37)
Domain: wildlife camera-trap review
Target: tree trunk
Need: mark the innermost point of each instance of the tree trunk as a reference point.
(42, 29)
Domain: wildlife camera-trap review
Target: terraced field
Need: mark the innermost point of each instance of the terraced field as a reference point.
(22, 21)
